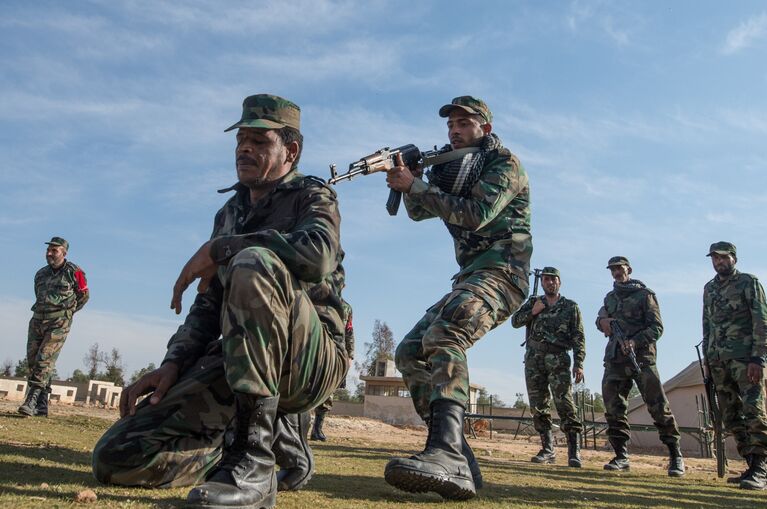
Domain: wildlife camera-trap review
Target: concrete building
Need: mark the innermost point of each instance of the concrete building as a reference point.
(92, 392)
(387, 398)
(685, 393)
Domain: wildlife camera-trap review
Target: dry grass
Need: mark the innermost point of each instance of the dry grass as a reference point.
(46, 462)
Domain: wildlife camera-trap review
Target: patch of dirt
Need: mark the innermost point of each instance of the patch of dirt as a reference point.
(411, 438)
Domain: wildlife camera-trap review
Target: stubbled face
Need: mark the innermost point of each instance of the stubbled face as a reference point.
(55, 256)
(464, 129)
(261, 157)
(620, 273)
(724, 264)
(551, 285)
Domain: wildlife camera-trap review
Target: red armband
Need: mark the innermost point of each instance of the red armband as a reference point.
(82, 284)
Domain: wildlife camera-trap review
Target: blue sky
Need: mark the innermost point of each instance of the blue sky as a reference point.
(642, 126)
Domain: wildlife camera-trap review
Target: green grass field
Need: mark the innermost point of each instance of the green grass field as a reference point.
(46, 462)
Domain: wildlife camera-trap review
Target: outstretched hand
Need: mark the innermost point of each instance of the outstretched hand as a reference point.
(201, 266)
(159, 381)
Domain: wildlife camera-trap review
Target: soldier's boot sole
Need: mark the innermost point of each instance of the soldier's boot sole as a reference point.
(413, 480)
(543, 460)
(615, 468)
(26, 411)
(268, 503)
(574, 462)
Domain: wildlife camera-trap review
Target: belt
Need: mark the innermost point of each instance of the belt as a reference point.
(543, 346)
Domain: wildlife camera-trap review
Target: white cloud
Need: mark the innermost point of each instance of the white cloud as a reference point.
(140, 339)
(745, 34)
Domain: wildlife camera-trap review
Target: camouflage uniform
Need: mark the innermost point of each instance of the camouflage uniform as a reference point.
(326, 405)
(60, 293)
(734, 335)
(635, 308)
(276, 303)
(554, 331)
(491, 233)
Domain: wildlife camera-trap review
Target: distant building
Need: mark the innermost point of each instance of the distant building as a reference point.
(92, 392)
(387, 398)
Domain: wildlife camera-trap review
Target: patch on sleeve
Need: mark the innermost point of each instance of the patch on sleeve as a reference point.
(82, 284)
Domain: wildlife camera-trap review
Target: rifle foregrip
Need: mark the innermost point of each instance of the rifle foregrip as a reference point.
(392, 204)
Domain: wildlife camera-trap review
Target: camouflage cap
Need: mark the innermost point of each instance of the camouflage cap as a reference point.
(468, 104)
(722, 247)
(618, 260)
(58, 241)
(269, 112)
(550, 271)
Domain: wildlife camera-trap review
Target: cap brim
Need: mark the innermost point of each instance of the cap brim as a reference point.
(618, 265)
(54, 244)
(719, 252)
(258, 123)
(446, 109)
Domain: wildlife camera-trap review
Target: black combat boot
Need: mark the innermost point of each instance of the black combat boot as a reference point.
(30, 402)
(319, 419)
(244, 477)
(621, 459)
(42, 402)
(442, 466)
(756, 477)
(736, 479)
(574, 449)
(292, 452)
(476, 473)
(546, 454)
(675, 461)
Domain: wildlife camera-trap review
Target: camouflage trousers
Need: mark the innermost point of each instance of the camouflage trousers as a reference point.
(548, 374)
(273, 343)
(742, 405)
(432, 356)
(616, 385)
(45, 340)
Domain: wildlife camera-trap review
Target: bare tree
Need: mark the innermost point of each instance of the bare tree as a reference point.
(93, 359)
(7, 367)
(381, 347)
(113, 367)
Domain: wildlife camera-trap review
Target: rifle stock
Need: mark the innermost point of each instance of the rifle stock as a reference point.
(715, 416)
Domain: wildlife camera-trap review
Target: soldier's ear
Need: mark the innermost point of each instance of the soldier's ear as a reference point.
(630, 270)
(487, 128)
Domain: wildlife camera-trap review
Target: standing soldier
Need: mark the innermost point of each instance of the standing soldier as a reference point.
(61, 290)
(555, 326)
(735, 347)
(634, 309)
(324, 408)
(483, 197)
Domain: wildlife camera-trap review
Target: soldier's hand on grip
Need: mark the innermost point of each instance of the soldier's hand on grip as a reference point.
(201, 266)
(399, 178)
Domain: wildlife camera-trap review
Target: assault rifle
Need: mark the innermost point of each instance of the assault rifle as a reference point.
(625, 345)
(383, 160)
(536, 273)
(715, 417)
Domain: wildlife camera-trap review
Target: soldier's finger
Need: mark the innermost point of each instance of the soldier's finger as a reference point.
(124, 402)
(162, 387)
(398, 160)
(178, 291)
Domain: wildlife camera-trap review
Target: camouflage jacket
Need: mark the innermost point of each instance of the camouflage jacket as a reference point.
(491, 227)
(636, 309)
(735, 319)
(299, 221)
(560, 325)
(60, 290)
(348, 330)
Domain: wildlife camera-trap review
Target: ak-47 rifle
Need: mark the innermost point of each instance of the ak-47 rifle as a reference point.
(625, 345)
(715, 417)
(536, 273)
(383, 160)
